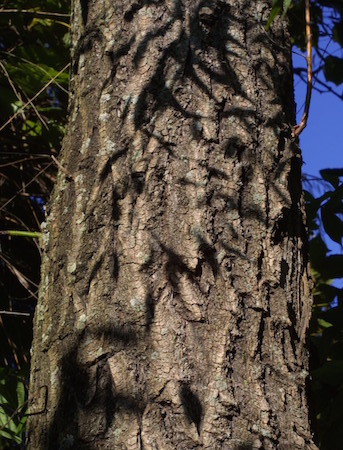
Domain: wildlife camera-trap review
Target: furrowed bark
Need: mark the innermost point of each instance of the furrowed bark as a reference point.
(174, 300)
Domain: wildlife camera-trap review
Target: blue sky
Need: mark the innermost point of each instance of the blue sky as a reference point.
(321, 142)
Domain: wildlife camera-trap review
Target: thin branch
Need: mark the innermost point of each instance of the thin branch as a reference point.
(327, 89)
(33, 98)
(11, 217)
(316, 88)
(35, 65)
(21, 233)
(63, 169)
(14, 313)
(303, 122)
(19, 97)
(17, 161)
(16, 412)
(16, 93)
(20, 407)
(23, 279)
(21, 190)
(298, 54)
(43, 155)
(37, 13)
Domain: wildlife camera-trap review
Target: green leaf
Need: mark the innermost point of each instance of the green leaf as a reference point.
(276, 8)
(332, 224)
(333, 69)
(10, 428)
(12, 401)
(32, 78)
(67, 40)
(22, 425)
(323, 323)
(277, 5)
(20, 393)
(286, 5)
(32, 128)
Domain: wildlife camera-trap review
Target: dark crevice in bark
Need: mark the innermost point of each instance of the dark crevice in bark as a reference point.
(84, 11)
(242, 187)
(209, 254)
(284, 273)
(259, 351)
(292, 329)
(150, 310)
(259, 265)
(267, 202)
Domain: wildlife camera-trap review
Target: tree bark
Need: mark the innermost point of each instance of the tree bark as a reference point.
(174, 299)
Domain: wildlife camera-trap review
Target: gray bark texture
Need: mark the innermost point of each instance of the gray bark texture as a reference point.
(175, 294)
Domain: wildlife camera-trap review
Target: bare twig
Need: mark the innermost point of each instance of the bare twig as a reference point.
(35, 65)
(14, 313)
(17, 161)
(21, 190)
(303, 122)
(63, 169)
(18, 95)
(326, 87)
(43, 155)
(37, 13)
(33, 98)
(23, 279)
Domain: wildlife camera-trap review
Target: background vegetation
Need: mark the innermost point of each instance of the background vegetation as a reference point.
(34, 56)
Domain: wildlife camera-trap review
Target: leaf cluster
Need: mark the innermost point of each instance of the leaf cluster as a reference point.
(325, 220)
(12, 407)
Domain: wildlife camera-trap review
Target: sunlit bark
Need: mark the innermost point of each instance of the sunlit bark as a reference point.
(174, 301)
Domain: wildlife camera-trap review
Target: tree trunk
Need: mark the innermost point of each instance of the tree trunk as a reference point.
(174, 300)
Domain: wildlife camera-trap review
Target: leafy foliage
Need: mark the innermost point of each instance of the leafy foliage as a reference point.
(278, 7)
(12, 405)
(33, 51)
(34, 55)
(325, 214)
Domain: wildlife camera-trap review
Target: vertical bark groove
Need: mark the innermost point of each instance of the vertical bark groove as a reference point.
(175, 298)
